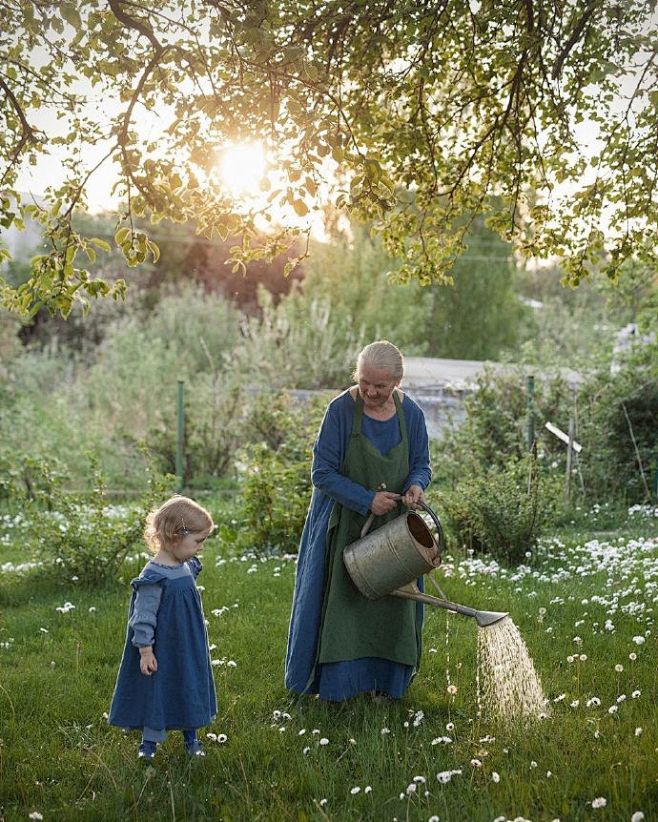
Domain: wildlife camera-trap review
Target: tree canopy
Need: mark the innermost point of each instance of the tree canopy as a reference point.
(419, 116)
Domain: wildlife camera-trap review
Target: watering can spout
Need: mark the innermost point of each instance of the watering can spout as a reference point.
(483, 618)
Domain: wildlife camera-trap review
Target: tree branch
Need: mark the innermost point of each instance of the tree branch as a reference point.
(575, 36)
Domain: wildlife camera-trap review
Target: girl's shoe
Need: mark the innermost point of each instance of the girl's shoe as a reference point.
(194, 748)
(146, 750)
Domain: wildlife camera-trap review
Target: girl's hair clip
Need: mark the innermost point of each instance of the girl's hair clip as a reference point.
(184, 532)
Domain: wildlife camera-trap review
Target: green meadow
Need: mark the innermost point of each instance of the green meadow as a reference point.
(585, 606)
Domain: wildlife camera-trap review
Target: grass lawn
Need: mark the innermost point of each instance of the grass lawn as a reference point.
(585, 609)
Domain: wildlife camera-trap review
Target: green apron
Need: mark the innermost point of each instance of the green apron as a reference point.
(352, 626)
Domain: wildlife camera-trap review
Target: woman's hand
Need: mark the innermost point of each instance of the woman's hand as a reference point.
(384, 502)
(148, 664)
(413, 496)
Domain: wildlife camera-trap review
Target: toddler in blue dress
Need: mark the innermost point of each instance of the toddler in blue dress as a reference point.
(165, 679)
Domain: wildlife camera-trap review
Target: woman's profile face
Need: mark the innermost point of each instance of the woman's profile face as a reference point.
(375, 387)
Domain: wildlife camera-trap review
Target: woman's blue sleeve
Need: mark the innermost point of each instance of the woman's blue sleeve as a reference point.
(420, 471)
(328, 455)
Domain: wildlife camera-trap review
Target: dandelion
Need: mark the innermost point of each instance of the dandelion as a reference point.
(475, 763)
(436, 819)
(599, 802)
(450, 727)
(495, 777)
(613, 709)
(583, 657)
(232, 664)
(385, 731)
(635, 694)
(639, 640)
(306, 750)
(593, 701)
(619, 668)
(442, 740)
(315, 731)
(356, 789)
(36, 815)
(452, 689)
(302, 732)
(533, 764)
(638, 816)
(411, 788)
(367, 789)
(323, 802)
(549, 774)
(632, 657)
(324, 741)
(575, 703)
(638, 732)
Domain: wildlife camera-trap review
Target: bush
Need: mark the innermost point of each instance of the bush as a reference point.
(80, 537)
(500, 511)
(276, 484)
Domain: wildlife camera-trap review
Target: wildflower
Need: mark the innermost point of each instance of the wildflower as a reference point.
(638, 732)
(583, 657)
(533, 764)
(411, 788)
(635, 694)
(577, 640)
(613, 709)
(436, 819)
(323, 802)
(420, 780)
(595, 701)
(570, 659)
(495, 777)
(356, 789)
(450, 727)
(36, 815)
(638, 816)
(559, 698)
(632, 657)
(352, 741)
(306, 750)
(475, 763)
(621, 698)
(575, 703)
(367, 789)
(549, 774)
(619, 668)
(446, 776)
(232, 663)
(442, 740)
(599, 802)
(639, 640)
(302, 732)
(452, 689)
(385, 731)
(324, 741)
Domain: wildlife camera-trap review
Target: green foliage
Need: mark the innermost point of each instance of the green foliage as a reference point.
(430, 131)
(619, 429)
(500, 511)
(80, 537)
(298, 343)
(276, 488)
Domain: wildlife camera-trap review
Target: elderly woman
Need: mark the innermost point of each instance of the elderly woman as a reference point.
(371, 455)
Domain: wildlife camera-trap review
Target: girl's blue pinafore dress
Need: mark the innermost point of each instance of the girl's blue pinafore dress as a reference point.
(181, 693)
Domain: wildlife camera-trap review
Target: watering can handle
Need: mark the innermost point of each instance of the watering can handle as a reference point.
(437, 523)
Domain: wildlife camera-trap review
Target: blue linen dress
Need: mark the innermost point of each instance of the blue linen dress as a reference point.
(181, 693)
(345, 679)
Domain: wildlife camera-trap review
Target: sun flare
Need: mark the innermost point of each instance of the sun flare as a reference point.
(241, 168)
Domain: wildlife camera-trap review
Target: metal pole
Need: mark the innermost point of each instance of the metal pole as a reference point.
(531, 411)
(180, 436)
(567, 480)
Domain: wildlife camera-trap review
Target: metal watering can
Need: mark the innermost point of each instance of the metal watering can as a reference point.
(388, 561)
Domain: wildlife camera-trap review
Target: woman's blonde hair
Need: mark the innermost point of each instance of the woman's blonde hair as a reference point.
(383, 356)
(173, 520)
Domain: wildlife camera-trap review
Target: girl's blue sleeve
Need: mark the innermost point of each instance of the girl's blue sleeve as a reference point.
(143, 617)
(420, 471)
(328, 455)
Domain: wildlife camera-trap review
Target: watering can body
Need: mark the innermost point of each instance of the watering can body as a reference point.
(387, 562)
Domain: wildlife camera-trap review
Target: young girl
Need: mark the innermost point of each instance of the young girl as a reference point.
(165, 679)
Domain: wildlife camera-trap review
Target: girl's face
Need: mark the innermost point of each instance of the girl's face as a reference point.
(189, 545)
